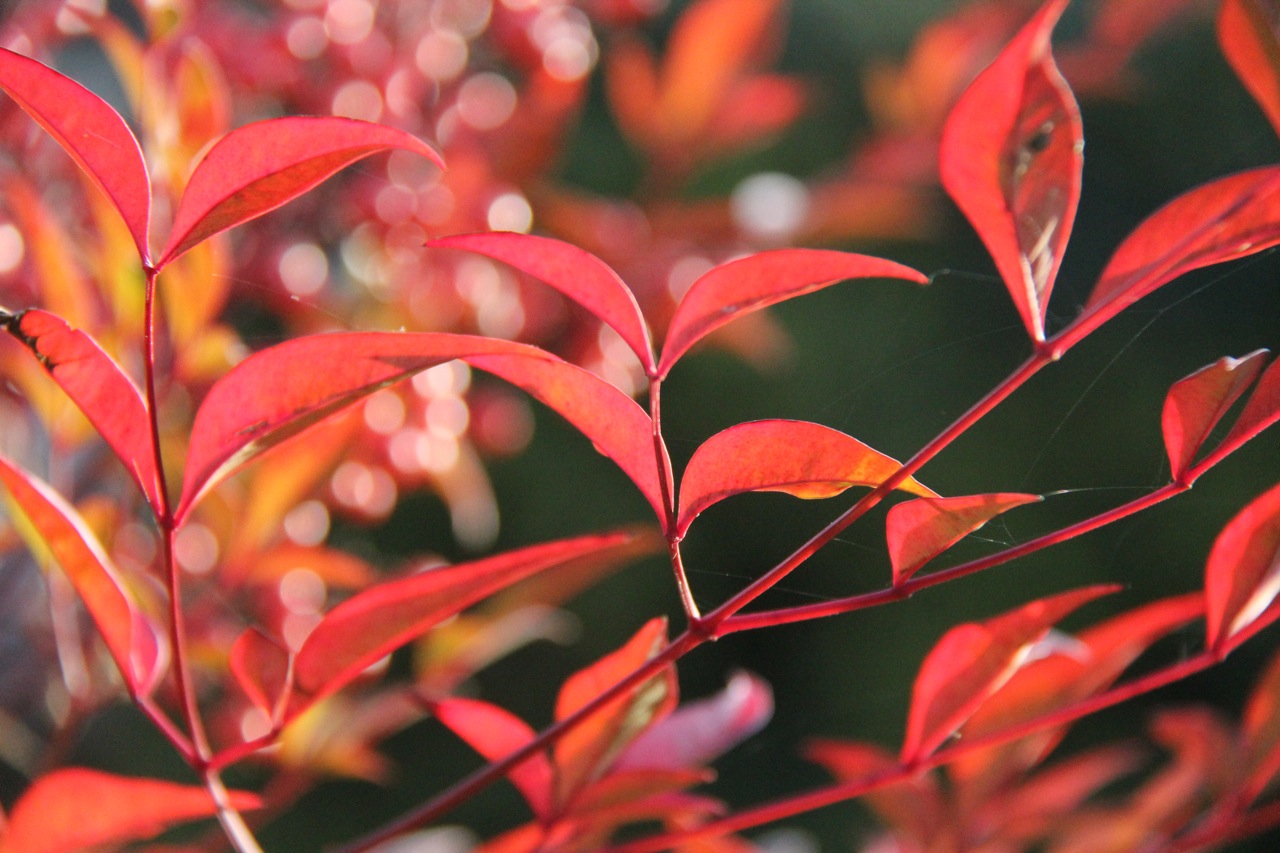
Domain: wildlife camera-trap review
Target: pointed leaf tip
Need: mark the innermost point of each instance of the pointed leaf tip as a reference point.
(261, 166)
(1242, 575)
(802, 459)
(919, 530)
(1197, 402)
(1011, 158)
(89, 130)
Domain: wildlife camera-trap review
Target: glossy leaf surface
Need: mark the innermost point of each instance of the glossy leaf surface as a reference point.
(1242, 575)
(1196, 403)
(93, 133)
(494, 733)
(98, 387)
(373, 623)
(972, 661)
(802, 459)
(261, 166)
(278, 392)
(1225, 219)
(1011, 159)
(757, 281)
(76, 809)
(1247, 37)
(52, 526)
(577, 274)
(919, 530)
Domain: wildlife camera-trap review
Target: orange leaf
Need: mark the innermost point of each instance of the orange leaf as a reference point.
(922, 529)
(261, 666)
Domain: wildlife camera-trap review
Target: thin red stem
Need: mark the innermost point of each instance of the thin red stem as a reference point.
(670, 521)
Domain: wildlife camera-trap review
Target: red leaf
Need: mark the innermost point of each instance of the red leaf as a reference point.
(51, 525)
(98, 387)
(914, 805)
(748, 284)
(76, 809)
(1260, 411)
(1196, 403)
(1247, 36)
(495, 734)
(1227, 218)
(972, 661)
(577, 274)
(373, 623)
(278, 392)
(261, 166)
(802, 459)
(1242, 575)
(1011, 158)
(702, 731)
(588, 749)
(922, 529)
(93, 133)
(261, 666)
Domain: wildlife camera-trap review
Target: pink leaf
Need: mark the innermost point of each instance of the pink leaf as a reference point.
(702, 731)
(1247, 36)
(93, 133)
(495, 734)
(52, 526)
(577, 274)
(76, 809)
(278, 392)
(1260, 411)
(1196, 403)
(972, 661)
(373, 623)
(802, 459)
(261, 666)
(748, 284)
(98, 387)
(1227, 218)
(261, 166)
(1011, 158)
(1242, 575)
(920, 530)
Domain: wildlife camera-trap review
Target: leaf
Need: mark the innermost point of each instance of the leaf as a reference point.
(587, 750)
(495, 734)
(1247, 37)
(98, 387)
(802, 459)
(281, 391)
(88, 129)
(1242, 575)
(261, 166)
(1196, 403)
(1260, 411)
(50, 525)
(972, 661)
(375, 622)
(75, 809)
(1225, 219)
(757, 281)
(1011, 158)
(577, 274)
(700, 732)
(915, 805)
(262, 668)
(920, 530)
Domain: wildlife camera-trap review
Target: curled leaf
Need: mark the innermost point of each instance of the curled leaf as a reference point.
(261, 166)
(1260, 411)
(920, 530)
(577, 274)
(757, 281)
(1011, 158)
(802, 459)
(88, 129)
(1242, 575)
(1196, 403)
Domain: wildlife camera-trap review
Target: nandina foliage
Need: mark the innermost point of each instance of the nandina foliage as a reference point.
(174, 477)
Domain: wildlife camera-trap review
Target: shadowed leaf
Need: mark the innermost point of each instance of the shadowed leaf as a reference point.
(920, 530)
(1011, 158)
(748, 284)
(802, 459)
(1247, 37)
(261, 666)
(1196, 403)
(90, 131)
(1260, 411)
(1242, 575)
(261, 166)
